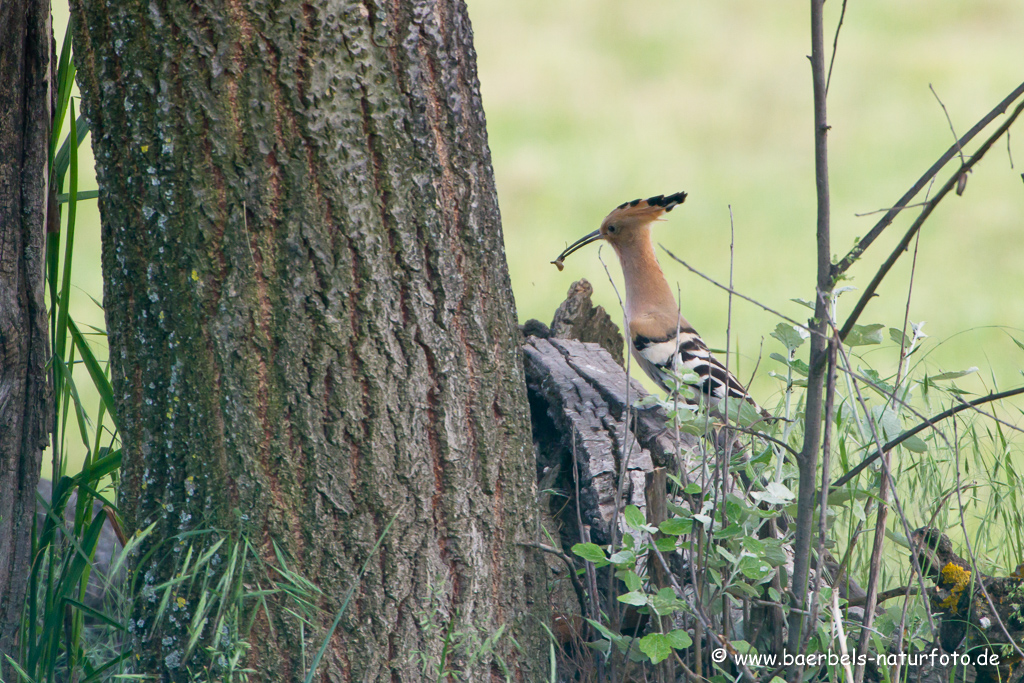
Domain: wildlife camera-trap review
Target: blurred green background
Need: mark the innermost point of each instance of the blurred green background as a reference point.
(592, 103)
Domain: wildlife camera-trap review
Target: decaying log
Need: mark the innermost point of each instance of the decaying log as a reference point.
(982, 616)
(578, 318)
(578, 397)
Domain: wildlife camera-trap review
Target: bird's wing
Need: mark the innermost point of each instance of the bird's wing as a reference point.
(683, 351)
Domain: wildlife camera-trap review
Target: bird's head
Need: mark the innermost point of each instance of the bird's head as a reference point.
(627, 224)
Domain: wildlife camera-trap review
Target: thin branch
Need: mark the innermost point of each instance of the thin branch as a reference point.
(953, 181)
(903, 201)
(734, 292)
(891, 208)
(909, 589)
(956, 141)
(627, 447)
(835, 44)
(571, 568)
(807, 460)
(766, 437)
(930, 422)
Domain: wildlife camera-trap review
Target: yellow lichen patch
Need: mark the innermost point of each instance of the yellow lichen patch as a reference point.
(959, 577)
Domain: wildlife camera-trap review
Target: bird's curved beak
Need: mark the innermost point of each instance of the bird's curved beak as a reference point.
(575, 246)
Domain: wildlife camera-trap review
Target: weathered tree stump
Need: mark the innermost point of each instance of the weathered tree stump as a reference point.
(982, 616)
(580, 402)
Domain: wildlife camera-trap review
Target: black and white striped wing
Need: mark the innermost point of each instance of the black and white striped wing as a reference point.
(683, 353)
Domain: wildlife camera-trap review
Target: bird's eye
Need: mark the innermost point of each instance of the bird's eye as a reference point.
(612, 229)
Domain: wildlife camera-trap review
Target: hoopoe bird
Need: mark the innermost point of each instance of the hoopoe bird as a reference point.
(661, 339)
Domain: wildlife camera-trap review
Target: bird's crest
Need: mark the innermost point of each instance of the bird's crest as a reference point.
(652, 207)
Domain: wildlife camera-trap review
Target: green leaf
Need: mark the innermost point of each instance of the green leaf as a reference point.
(99, 378)
(754, 568)
(634, 518)
(677, 526)
(623, 557)
(846, 494)
(679, 639)
(96, 614)
(745, 588)
(865, 335)
(753, 545)
(915, 445)
(725, 553)
(804, 302)
(774, 494)
(732, 531)
(954, 375)
(703, 519)
(604, 630)
(636, 598)
(774, 553)
(657, 646)
(790, 336)
(798, 366)
(666, 544)
(899, 337)
(632, 581)
(591, 553)
(693, 488)
(665, 602)
(84, 194)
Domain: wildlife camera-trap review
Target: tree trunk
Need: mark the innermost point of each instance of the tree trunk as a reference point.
(26, 99)
(312, 332)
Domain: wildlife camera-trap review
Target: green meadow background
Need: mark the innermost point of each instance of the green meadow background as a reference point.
(591, 103)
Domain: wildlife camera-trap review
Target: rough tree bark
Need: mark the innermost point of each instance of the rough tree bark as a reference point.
(312, 329)
(26, 103)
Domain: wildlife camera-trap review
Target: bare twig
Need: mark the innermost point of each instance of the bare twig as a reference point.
(835, 44)
(950, 184)
(903, 201)
(891, 208)
(734, 292)
(591, 573)
(826, 463)
(930, 422)
(613, 604)
(956, 140)
(571, 568)
(909, 589)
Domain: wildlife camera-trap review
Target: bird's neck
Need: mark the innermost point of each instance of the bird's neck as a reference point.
(647, 290)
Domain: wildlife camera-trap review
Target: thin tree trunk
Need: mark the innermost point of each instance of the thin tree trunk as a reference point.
(26, 103)
(312, 331)
(807, 460)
